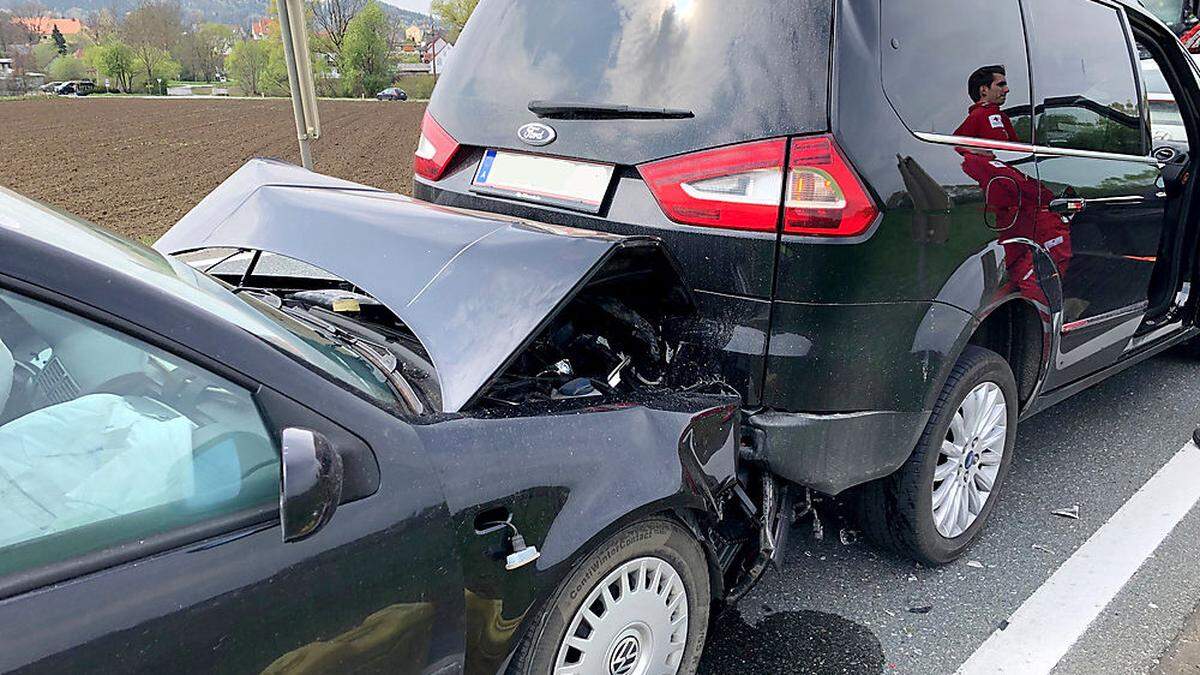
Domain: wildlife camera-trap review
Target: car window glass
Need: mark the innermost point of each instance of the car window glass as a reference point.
(928, 76)
(1166, 121)
(1083, 78)
(106, 440)
(1167, 11)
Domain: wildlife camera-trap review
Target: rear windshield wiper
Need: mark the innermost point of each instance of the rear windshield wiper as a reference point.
(565, 110)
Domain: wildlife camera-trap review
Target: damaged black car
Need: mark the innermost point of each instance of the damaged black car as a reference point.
(323, 428)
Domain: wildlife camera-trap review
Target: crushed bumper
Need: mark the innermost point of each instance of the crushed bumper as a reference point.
(831, 453)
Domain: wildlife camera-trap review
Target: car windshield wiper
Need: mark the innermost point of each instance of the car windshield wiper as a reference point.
(377, 355)
(566, 110)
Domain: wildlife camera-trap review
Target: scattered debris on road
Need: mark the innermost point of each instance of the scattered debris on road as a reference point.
(1071, 512)
(975, 563)
(920, 610)
(1043, 549)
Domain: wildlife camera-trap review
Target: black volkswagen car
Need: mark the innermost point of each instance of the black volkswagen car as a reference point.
(911, 223)
(375, 435)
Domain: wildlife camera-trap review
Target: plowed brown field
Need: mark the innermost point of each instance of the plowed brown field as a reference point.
(137, 165)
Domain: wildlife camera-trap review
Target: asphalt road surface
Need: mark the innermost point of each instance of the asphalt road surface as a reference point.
(838, 605)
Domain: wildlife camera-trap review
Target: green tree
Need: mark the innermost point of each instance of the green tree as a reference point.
(366, 65)
(60, 42)
(114, 60)
(248, 64)
(151, 31)
(454, 14)
(67, 68)
(201, 51)
(43, 54)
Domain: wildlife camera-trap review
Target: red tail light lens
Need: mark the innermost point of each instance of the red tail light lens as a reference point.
(824, 196)
(434, 151)
(742, 187)
(737, 187)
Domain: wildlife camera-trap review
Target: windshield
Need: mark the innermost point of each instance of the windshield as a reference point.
(1168, 11)
(327, 355)
(285, 333)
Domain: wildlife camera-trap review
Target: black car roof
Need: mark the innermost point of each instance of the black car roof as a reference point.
(54, 239)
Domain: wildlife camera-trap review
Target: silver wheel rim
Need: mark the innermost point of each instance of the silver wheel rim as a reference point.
(634, 622)
(969, 459)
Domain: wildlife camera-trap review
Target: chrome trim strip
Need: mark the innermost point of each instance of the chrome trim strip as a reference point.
(986, 144)
(1107, 316)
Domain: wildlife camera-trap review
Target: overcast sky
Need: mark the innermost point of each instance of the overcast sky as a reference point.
(415, 5)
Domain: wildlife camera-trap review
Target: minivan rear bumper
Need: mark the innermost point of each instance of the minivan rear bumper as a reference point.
(834, 452)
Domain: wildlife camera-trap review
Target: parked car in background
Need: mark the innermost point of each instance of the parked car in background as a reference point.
(50, 87)
(374, 435)
(76, 88)
(392, 94)
(1166, 120)
(905, 240)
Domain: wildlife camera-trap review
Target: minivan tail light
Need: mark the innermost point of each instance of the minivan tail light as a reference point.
(742, 187)
(736, 187)
(824, 196)
(435, 149)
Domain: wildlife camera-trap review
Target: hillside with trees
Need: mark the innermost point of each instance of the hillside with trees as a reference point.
(234, 12)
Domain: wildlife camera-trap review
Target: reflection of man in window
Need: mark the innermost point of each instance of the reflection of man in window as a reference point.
(1016, 202)
(988, 88)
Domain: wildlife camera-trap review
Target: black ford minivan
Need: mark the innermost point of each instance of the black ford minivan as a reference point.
(910, 224)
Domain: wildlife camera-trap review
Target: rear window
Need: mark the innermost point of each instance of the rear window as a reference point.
(748, 69)
(929, 79)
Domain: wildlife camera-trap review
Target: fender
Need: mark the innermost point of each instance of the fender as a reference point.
(569, 479)
(990, 280)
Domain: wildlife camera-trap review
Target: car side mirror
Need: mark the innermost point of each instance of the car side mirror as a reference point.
(310, 483)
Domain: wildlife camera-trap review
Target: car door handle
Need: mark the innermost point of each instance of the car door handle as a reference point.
(1067, 205)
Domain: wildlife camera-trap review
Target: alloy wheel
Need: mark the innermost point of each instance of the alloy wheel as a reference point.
(634, 622)
(969, 459)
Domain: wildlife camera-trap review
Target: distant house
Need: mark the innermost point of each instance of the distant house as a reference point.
(44, 25)
(6, 68)
(414, 34)
(436, 52)
(261, 28)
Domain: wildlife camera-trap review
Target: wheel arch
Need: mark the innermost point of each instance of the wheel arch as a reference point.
(1020, 321)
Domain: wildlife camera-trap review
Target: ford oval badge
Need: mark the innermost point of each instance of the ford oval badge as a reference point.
(536, 133)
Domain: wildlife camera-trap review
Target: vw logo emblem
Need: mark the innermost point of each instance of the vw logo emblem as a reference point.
(625, 656)
(536, 133)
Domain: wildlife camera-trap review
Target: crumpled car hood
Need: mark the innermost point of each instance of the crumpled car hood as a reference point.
(473, 288)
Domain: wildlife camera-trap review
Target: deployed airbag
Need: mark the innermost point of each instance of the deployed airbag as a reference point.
(86, 460)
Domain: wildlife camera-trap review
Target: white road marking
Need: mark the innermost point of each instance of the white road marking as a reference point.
(1050, 621)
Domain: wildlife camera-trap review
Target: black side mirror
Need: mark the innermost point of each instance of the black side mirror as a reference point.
(311, 483)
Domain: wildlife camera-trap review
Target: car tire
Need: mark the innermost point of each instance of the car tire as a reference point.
(645, 566)
(898, 512)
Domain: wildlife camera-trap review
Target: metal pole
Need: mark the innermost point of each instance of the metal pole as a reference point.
(289, 55)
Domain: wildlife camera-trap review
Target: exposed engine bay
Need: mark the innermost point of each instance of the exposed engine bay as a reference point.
(613, 340)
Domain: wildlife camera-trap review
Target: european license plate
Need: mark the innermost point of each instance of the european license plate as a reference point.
(566, 183)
